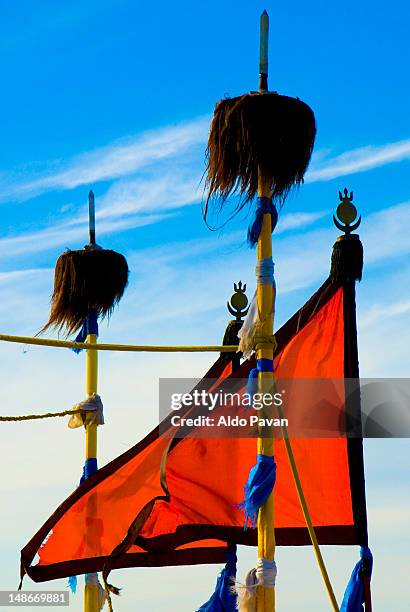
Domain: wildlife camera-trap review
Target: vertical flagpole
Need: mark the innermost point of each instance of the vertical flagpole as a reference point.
(265, 301)
(91, 588)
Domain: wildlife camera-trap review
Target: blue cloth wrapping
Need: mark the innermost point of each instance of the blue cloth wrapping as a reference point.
(223, 599)
(354, 595)
(261, 481)
(263, 205)
(262, 365)
(90, 468)
(90, 326)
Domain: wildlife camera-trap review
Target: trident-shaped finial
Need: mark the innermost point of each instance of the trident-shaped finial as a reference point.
(346, 213)
(239, 302)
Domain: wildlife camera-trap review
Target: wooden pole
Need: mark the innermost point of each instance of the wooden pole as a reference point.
(91, 588)
(265, 301)
(265, 596)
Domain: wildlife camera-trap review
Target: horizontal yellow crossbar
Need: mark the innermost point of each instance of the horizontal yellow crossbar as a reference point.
(130, 348)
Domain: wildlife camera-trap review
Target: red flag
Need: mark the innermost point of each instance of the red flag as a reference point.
(174, 502)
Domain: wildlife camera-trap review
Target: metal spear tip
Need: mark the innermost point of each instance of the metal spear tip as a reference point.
(265, 19)
(91, 217)
(263, 57)
(264, 22)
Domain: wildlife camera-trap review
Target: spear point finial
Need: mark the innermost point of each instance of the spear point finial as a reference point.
(263, 61)
(91, 217)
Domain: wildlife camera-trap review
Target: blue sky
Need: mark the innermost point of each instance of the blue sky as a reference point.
(117, 96)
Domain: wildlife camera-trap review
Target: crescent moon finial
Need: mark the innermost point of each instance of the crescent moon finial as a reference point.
(346, 213)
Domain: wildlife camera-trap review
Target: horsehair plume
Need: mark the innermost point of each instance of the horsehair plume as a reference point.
(347, 259)
(267, 132)
(90, 279)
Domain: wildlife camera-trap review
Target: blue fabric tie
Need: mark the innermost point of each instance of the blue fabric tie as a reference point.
(263, 205)
(90, 326)
(90, 467)
(261, 481)
(354, 595)
(72, 584)
(262, 365)
(223, 598)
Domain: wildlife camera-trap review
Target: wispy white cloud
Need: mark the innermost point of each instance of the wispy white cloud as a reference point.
(119, 159)
(124, 158)
(18, 275)
(117, 214)
(385, 233)
(169, 190)
(71, 232)
(175, 269)
(223, 257)
(298, 220)
(358, 160)
(380, 312)
(301, 261)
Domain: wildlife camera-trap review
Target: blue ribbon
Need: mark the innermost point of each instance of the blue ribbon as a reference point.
(223, 599)
(72, 584)
(263, 205)
(90, 326)
(262, 365)
(354, 595)
(261, 481)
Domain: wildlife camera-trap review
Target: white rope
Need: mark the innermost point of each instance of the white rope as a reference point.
(248, 330)
(253, 324)
(264, 272)
(266, 572)
(263, 575)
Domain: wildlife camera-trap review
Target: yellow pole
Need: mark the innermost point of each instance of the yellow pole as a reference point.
(91, 589)
(265, 298)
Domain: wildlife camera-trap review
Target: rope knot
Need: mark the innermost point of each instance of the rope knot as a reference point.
(265, 269)
(266, 572)
(265, 342)
(87, 412)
